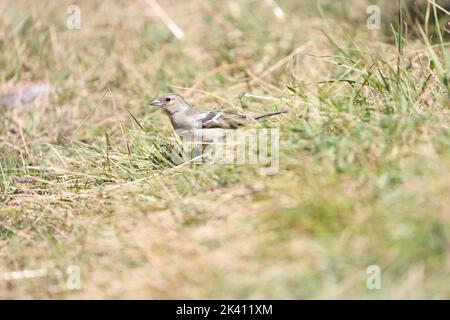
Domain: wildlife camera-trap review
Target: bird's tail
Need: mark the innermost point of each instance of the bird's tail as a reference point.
(269, 114)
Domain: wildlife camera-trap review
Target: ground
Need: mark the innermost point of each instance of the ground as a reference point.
(87, 186)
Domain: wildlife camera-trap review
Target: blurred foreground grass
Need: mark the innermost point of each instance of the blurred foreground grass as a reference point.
(364, 154)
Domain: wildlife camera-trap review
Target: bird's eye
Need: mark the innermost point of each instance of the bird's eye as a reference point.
(168, 99)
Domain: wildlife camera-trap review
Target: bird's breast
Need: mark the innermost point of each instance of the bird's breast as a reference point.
(181, 121)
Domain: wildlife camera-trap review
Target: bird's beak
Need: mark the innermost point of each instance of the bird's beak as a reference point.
(157, 102)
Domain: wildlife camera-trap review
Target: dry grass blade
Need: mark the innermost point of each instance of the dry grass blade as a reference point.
(277, 11)
(165, 18)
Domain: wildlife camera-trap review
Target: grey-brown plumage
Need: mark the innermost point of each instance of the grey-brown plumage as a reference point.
(184, 116)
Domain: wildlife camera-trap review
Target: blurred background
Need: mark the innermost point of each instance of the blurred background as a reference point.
(91, 205)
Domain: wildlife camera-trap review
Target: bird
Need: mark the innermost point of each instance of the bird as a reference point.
(210, 124)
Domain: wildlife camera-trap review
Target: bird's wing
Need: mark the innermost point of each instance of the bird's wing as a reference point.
(221, 120)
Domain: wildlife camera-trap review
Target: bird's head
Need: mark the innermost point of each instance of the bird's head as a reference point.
(171, 102)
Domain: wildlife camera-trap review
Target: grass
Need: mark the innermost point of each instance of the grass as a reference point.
(86, 178)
